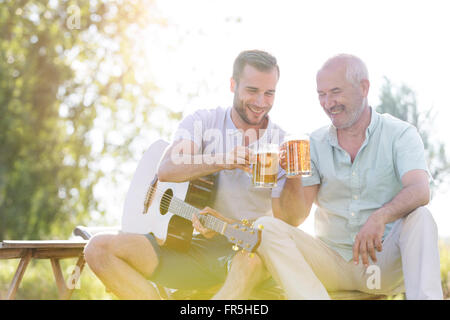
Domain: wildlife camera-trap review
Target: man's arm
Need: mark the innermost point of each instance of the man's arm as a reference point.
(295, 201)
(182, 161)
(415, 193)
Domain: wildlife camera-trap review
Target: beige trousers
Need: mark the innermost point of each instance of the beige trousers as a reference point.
(307, 268)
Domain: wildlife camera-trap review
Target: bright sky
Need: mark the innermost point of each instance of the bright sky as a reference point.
(407, 41)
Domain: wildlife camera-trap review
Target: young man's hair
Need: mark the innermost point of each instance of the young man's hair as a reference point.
(258, 59)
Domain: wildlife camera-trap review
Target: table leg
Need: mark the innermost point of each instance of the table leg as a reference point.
(60, 283)
(18, 275)
(74, 278)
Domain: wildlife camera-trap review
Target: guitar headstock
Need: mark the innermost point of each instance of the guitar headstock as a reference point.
(243, 236)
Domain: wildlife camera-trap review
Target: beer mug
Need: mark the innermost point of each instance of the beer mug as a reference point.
(298, 161)
(265, 166)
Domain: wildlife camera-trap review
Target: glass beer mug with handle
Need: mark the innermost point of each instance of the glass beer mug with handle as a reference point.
(265, 166)
(298, 161)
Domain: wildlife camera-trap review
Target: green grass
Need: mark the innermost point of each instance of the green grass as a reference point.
(444, 251)
(38, 281)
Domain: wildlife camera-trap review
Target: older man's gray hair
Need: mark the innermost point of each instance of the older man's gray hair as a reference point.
(356, 69)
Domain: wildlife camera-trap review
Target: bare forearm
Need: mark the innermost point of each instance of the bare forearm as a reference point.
(292, 205)
(407, 200)
(188, 168)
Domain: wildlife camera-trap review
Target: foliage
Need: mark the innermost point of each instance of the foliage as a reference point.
(401, 102)
(73, 91)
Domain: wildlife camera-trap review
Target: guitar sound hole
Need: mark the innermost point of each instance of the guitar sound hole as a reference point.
(165, 201)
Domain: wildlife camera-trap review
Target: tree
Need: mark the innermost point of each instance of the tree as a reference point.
(401, 102)
(69, 70)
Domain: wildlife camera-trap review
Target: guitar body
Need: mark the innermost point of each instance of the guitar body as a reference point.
(147, 203)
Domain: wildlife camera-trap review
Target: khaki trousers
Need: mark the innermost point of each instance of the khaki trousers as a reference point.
(307, 268)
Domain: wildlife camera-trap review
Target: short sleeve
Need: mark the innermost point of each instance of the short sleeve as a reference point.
(314, 178)
(409, 152)
(190, 128)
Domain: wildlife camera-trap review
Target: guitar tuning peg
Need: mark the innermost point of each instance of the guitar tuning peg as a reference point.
(260, 227)
(244, 222)
(235, 248)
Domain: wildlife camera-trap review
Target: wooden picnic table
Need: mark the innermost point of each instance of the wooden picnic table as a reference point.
(25, 250)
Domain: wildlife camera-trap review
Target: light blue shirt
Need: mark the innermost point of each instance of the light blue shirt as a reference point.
(350, 192)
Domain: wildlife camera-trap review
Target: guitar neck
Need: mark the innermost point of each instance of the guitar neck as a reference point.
(186, 211)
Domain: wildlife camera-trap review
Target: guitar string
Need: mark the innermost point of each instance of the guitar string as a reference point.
(180, 205)
(167, 200)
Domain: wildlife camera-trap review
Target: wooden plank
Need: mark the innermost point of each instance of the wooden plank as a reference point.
(43, 244)
(18, 276)
(12, 253)
(354, 295)
(57, 253)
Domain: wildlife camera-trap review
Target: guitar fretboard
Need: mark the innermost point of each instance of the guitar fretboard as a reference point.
(186, 211)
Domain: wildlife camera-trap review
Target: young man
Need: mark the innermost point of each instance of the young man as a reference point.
(216, 142)
(370, 185)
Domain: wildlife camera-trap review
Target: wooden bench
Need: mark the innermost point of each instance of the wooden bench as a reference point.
(54, 250)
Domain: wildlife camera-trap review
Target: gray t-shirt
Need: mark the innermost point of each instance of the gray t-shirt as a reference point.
(214, 132)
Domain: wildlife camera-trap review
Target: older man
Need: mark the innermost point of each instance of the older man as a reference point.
(370, 185)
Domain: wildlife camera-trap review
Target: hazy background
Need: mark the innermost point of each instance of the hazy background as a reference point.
(86, 86)
(400, 40)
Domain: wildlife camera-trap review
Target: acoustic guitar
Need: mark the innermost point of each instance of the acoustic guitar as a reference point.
(166, 209)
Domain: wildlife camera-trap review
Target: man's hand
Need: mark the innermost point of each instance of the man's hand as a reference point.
(239, 158)
(283, 161)
(198, 226)
(369, 238)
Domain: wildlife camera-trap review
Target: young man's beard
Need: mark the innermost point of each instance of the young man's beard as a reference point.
(240, 108)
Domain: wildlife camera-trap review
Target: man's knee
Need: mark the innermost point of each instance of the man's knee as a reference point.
(270, 224)
(133, 249)
(252, 262)
(420, 219)
(96, 250)
(421, 215)
(274, 232)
